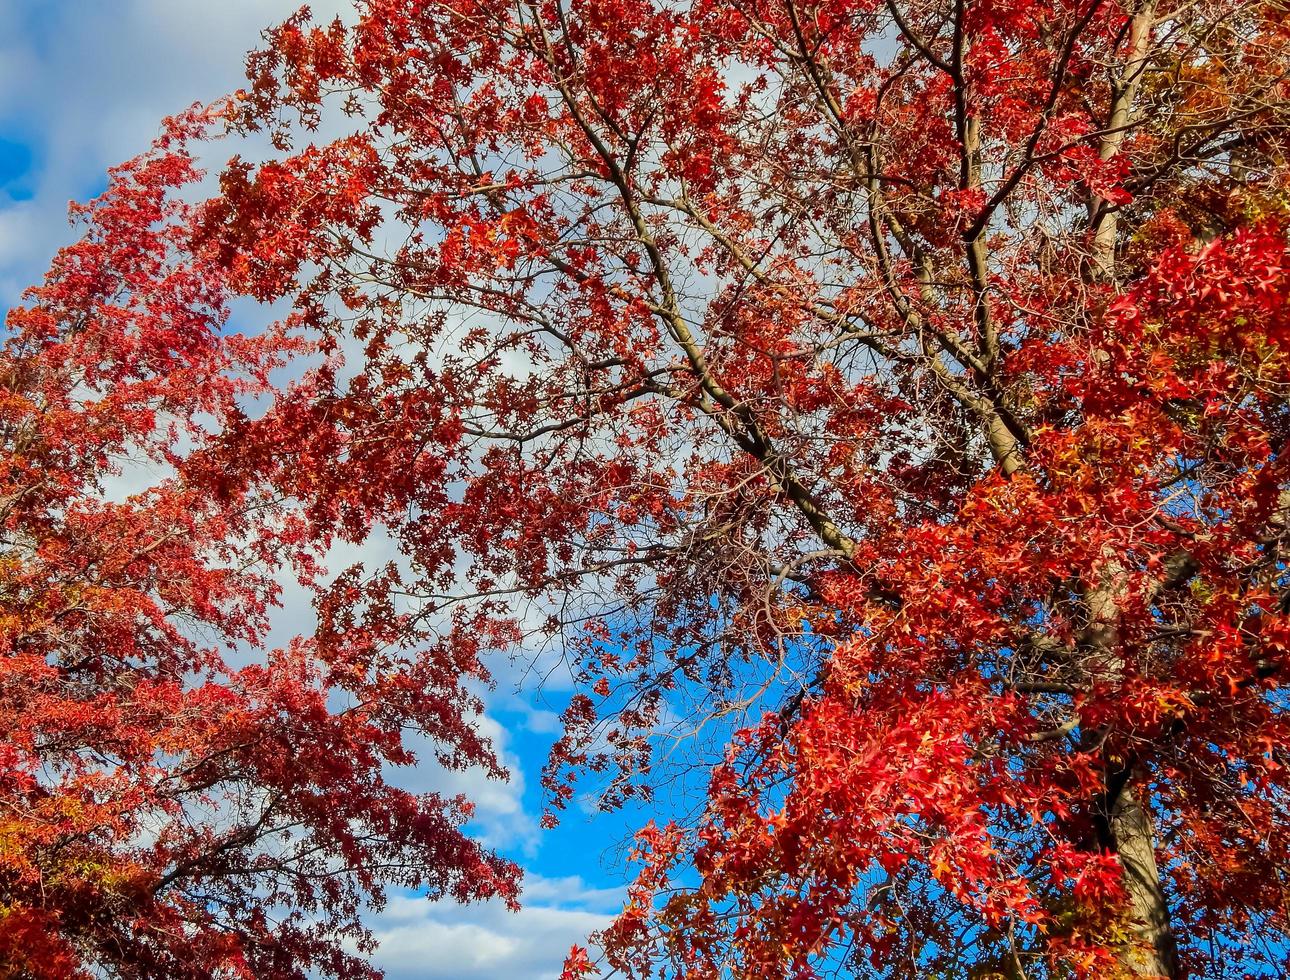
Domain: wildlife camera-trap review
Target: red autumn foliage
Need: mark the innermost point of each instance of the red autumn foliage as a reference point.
(892, 395)
(165, 812)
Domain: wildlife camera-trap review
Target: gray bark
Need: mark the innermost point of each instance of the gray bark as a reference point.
(1153, 952)
(1127, 827)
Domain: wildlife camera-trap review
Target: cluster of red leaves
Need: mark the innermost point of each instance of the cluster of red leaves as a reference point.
(164, 812)
(953, 784)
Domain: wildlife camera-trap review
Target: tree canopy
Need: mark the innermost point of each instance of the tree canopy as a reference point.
(892, 396)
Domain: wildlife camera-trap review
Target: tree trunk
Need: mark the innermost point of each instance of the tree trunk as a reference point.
(1153, 952)
(1104, 218)
(1124, 825)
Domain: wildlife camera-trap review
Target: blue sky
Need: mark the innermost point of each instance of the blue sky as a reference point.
(83, 84)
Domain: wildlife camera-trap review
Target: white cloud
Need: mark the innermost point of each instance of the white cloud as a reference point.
(483, 942)
(500, 820)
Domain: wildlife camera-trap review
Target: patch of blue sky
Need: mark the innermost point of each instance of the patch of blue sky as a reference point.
(16, 164)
